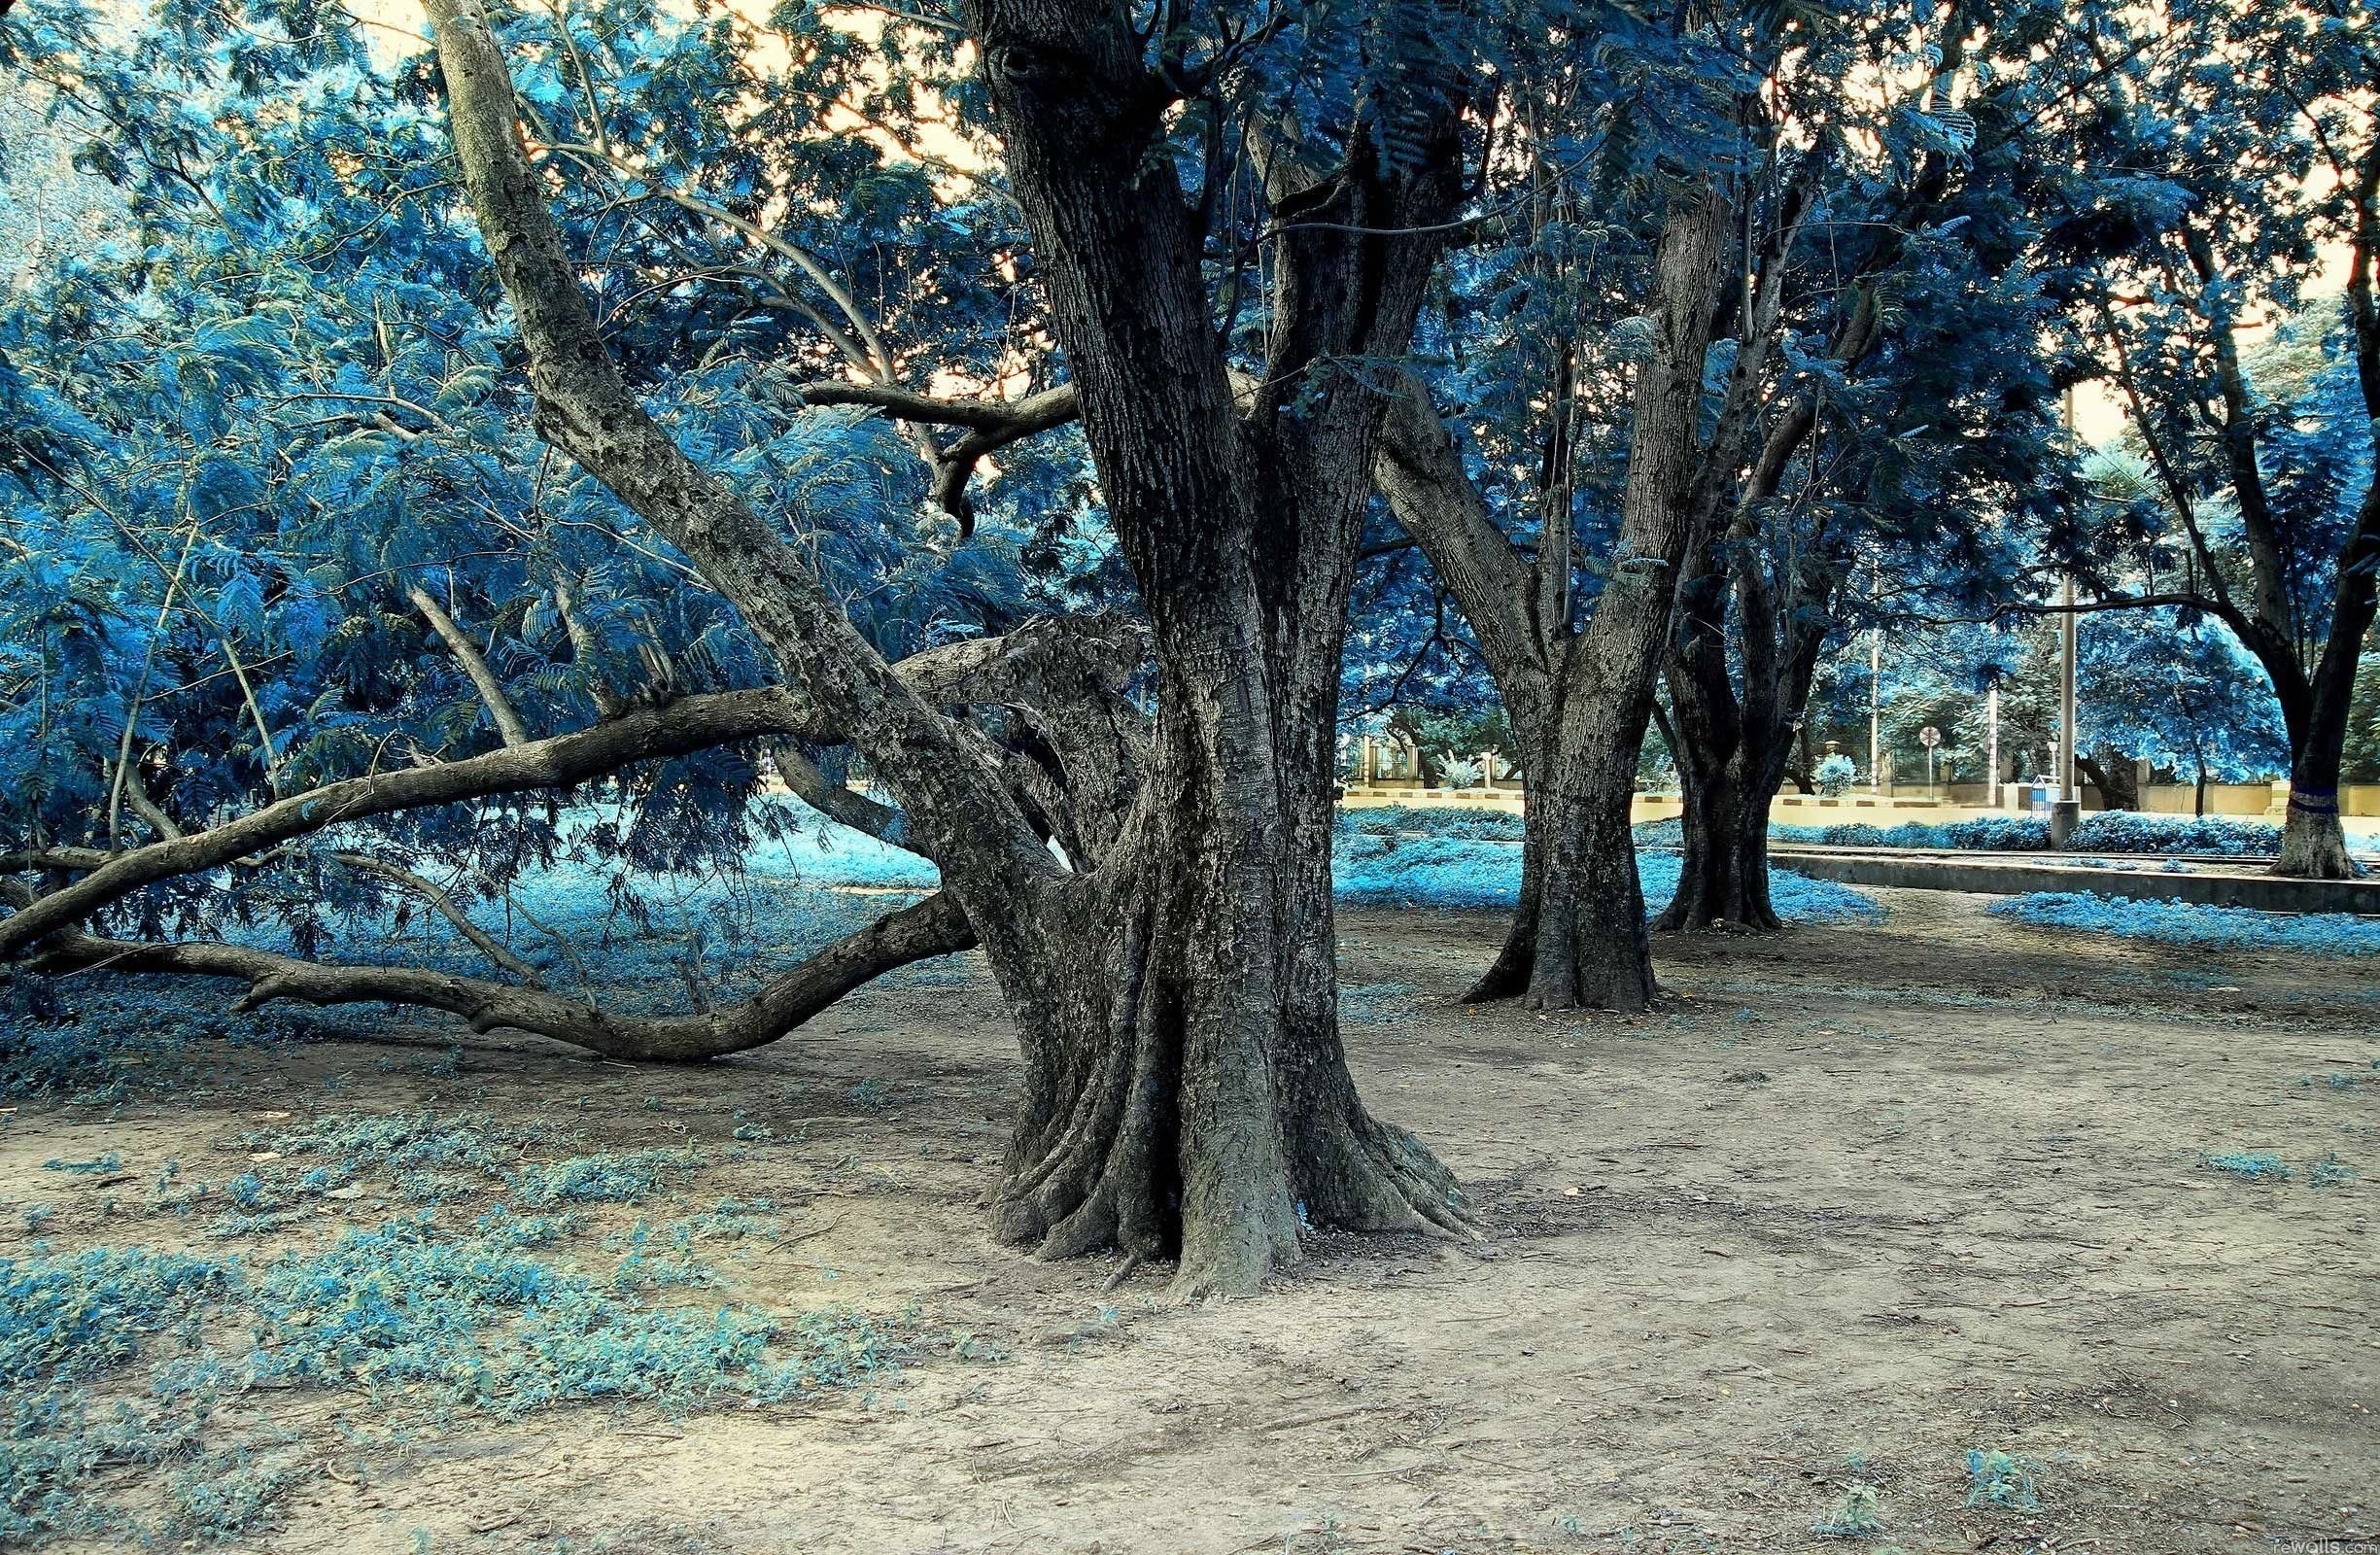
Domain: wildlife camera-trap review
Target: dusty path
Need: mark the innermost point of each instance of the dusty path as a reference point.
(1856, 1203)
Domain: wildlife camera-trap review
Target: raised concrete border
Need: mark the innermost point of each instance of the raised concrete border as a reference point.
(2004, 875)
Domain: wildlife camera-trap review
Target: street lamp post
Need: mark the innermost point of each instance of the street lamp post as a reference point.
(1991, 745)
(2066, 811)
(1875, 670)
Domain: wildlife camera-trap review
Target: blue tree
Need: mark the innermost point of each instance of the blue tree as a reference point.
(282, 526)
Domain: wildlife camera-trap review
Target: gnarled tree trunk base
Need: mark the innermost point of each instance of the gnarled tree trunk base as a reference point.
(1723, 868)
(1179, 1107)
(2314, 845)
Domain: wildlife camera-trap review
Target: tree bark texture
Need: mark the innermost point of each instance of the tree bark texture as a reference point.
(1174, 992)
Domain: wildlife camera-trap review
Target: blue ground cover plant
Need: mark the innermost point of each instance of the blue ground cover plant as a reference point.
(2259, 1165)
(2003, 1480)
(2338, 935)
(1379, 865)
(113, 1356)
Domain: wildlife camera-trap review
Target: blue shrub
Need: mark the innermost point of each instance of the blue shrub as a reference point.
(2259, 1164)
(2109, 830)
(2113, 830)
(2126, 831)
(2002, 1480)
(2341, 935)
(1988, 834)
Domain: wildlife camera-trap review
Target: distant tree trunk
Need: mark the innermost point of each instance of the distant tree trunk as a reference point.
(1723, 867)
(2115, 774)
(1740, 751)
(1586, 945)
(1800, 767)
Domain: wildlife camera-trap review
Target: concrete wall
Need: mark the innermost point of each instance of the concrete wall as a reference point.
(1903, 802)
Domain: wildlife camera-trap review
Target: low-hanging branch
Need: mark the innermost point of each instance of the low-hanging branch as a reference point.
(1019, 670)
(445, 906)
(674, 728)
(931, 927)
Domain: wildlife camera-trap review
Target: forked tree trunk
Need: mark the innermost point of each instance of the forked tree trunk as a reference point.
(1723, 865)
(1578, 938)
(1184, 1085)
(1185, 1089)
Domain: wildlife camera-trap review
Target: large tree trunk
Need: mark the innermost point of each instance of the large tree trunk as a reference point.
(2313, 843)
(1186, 1091)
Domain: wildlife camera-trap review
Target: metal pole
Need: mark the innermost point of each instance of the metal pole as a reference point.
(1991, 745)
(2066, 744)
(2066, 812)
(1876, 663)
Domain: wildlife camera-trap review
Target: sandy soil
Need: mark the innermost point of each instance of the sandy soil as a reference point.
(1896, 1192)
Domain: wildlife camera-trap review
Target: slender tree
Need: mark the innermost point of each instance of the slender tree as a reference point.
(2249, 145)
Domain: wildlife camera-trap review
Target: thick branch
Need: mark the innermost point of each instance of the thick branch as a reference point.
(694, 723)
(1048, 669)
(837, 803)
(2267, 558)
(993, 425)
(586, 408)
(934, 926)
(1051, 407)
(1419, 469)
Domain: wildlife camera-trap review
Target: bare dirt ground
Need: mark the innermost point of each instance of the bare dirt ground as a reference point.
(1896, 1192)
